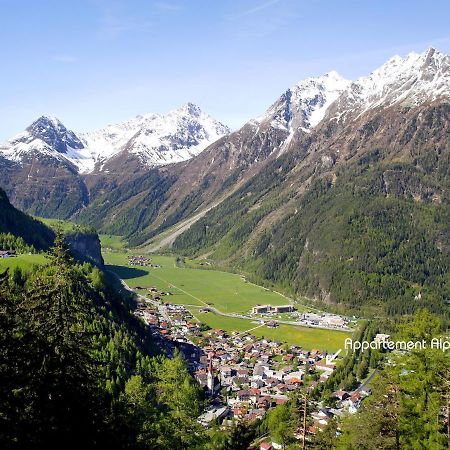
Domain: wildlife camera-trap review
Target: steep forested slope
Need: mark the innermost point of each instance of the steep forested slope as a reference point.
(363, 221)
(83, 241)
(32, 231)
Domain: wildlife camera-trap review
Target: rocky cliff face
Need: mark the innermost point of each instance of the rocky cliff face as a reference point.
(86, 247)
(84, 244)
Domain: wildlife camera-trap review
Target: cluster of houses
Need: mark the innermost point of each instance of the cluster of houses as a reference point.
(138, 260)
(183, 327)
(244, 376)
(252, 375)
(154, 292)
(141, 260)
(172, 322)
(149, 314)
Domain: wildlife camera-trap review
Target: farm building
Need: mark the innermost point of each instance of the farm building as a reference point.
(7, 253)
(262, 309)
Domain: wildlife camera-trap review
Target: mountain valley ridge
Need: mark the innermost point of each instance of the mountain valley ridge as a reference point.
(329, 157)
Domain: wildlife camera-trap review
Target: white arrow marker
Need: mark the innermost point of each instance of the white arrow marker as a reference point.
(330, 358)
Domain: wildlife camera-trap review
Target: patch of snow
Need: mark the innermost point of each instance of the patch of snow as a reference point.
(304, 105)
(157, 139)
(412, 80)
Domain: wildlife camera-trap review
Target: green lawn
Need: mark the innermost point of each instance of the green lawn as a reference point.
(25, 262)
(218, 322)
(308, 338)
(226, 291)
(112, 242)
(64, 225)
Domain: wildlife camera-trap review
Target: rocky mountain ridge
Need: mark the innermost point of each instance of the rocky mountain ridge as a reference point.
(325, 122)
(326, 194)
(156, 139)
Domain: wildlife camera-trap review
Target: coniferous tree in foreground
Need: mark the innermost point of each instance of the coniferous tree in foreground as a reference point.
(60, 377)
(409, 407)
(8, 405)
(179, 400)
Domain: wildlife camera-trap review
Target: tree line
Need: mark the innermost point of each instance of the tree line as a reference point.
(76, 368)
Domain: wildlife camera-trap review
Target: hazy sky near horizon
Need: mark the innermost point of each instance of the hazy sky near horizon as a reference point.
(94, 62)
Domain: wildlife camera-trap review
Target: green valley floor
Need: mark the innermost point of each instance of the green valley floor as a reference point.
(228, 294)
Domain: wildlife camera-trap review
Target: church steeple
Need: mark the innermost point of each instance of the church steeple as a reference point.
(210, 376)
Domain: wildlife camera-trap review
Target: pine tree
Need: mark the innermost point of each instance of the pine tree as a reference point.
(180, 398)
(62, 381)
(326, 440)
(240, 438)
(280, 425)
(376, 426)
(9, 406)
(410, 396)
(420, 377)
(135, 415)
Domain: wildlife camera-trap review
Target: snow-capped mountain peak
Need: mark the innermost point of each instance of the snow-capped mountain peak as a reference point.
(304, 105)
(46, 136)
(157, 139)
(52, 132)
(160, 139)
(417, 75)
(47, 122)
(315, 95)
(412, 80)
(189, 109)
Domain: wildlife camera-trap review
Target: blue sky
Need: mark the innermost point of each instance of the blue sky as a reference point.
(93, 62)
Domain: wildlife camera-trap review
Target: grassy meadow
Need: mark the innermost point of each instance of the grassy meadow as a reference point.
(227, 292)
(25, 262)
(309, 338)
(65, 226)
(111, 242)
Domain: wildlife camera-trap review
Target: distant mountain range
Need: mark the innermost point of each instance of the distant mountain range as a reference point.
(326, 193)
(155, 139)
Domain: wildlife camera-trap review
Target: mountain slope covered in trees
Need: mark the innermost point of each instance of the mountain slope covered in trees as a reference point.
(371, 229)
(78, 369)
(32, 231)
(21, 232)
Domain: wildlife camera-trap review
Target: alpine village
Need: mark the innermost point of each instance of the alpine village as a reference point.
(169, 282)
